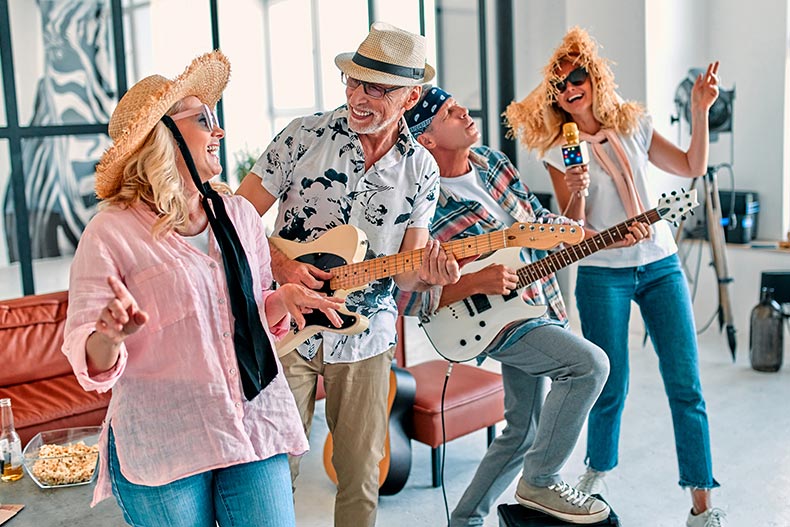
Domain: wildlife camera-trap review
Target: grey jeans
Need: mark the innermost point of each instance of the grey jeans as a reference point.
(536, 440)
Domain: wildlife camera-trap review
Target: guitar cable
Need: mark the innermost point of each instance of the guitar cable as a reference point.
(444, 441)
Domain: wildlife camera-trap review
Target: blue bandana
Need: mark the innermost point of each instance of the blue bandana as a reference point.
(419, 118)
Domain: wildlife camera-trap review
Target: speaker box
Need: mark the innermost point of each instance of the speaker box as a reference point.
(739, 215)
(514, 515)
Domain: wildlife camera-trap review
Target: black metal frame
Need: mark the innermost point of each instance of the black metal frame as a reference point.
(15, 133)
(505, 67)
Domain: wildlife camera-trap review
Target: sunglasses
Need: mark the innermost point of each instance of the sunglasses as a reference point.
(576, 77)
(376, 91)
(207, 118)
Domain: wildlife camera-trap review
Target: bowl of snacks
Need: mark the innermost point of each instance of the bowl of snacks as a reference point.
(63, 458)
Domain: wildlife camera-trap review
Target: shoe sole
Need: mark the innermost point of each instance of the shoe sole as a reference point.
(578, 519)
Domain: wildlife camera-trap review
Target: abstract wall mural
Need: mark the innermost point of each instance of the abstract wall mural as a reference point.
(75, 87)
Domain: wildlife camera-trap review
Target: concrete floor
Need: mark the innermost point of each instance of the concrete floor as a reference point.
(750, 429)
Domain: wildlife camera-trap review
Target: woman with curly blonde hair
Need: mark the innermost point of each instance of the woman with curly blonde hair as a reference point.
(578, 86)
(170, 307)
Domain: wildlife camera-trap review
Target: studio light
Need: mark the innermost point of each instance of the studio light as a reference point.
(720, 114)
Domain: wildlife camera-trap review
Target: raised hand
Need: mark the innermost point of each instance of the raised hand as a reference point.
(706, 88)
(121, 316)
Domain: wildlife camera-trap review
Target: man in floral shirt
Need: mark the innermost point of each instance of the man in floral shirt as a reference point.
(357, 165)
(481, 192)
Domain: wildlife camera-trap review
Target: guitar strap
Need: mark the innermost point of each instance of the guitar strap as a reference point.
(254, 354)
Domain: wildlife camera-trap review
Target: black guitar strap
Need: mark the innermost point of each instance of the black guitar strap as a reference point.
(254, 354)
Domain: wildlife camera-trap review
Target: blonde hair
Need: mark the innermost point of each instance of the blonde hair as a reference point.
(537, 120)
(150, 176)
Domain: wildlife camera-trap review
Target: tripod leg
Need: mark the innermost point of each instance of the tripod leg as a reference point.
(716, 237)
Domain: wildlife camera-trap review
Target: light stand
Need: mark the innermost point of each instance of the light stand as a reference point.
(715, 233)
(720, 120)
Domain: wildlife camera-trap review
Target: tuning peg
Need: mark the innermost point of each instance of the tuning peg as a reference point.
(682, 189)
(691, 212)
(674, 193)
(663, 194)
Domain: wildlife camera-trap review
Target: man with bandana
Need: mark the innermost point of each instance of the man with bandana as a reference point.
(480, 191)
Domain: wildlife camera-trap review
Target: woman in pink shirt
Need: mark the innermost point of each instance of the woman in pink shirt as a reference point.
(170, 307)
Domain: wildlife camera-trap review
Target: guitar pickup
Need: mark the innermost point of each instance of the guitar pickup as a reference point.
(481, 303)
(512, 294)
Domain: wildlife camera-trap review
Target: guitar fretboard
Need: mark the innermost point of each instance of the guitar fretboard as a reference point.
(556, 261)
(354, 275)
(357, 274)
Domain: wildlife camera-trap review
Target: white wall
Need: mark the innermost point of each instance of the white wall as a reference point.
(654, 43)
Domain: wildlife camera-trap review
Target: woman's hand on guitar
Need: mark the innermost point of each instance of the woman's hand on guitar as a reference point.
(298, 300)
(438, 266)
(495, 279)
(637, 232)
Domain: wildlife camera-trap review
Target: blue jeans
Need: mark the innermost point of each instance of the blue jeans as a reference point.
(537, 441)
(256, 494)
(603, 297)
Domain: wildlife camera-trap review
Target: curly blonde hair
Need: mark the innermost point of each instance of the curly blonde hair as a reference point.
(150, 176)
(537, 119)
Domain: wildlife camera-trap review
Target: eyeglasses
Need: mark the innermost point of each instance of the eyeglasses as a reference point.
(208, 118)
(576, 77)
(376, 91)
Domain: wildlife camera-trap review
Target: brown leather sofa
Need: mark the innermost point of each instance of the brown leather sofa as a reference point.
(35, 374)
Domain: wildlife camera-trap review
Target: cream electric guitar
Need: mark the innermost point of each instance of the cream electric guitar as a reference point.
(342, 251)
(464, 329)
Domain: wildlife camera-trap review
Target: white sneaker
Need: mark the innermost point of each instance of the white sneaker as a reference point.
(591, 482)
(713, 517)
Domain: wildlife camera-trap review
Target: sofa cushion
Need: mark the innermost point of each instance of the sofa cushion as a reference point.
(50, 400)
(31, 333)
(475, 399)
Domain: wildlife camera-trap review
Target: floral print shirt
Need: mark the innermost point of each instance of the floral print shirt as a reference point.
(316, 168)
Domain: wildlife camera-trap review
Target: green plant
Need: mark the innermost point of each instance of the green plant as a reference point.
(245, 159)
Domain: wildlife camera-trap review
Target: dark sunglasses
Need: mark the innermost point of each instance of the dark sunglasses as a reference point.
(376, 91)
(576, 77)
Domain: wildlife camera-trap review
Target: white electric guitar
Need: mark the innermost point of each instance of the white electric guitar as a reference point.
(342, 251)
(464, 329)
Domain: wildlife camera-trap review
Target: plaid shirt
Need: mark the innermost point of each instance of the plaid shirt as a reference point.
(457, 218)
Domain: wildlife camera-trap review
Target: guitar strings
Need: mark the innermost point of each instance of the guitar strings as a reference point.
(355, 274)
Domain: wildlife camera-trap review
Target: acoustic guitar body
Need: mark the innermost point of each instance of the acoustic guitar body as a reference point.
(395, 466)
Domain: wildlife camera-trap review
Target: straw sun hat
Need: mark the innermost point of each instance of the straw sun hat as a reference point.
(146, 102)
(388, 55)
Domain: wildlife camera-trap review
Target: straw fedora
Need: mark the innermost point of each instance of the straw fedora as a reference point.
(146, 102)
(388, 55)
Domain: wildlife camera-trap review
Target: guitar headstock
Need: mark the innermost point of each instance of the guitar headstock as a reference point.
(676, 205)
(542, 235)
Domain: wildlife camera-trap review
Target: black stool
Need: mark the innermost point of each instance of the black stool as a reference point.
(517, 516)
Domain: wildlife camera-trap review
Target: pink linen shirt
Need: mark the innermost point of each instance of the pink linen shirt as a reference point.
(177, 406)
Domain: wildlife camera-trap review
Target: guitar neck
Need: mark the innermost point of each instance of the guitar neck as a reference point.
(358, 274)
(557, 260)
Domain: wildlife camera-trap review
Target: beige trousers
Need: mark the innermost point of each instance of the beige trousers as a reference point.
(356, 413)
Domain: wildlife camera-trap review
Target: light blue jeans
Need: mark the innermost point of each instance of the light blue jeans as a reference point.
(604, 296)
(537, 441)
(256, 494)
